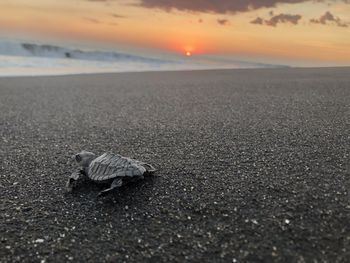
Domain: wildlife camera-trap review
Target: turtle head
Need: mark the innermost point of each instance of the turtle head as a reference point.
(84, 158)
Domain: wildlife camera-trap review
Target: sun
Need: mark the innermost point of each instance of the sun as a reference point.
(188, 54)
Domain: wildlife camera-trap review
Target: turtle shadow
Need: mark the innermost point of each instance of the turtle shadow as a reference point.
(129, 193)
(132, 194)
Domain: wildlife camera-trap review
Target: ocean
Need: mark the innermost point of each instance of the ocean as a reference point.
(32, 59)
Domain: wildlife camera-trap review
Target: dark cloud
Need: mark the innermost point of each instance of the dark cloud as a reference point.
(218, 6)
(258, 21)
(283, 18)
(223, 22)
(277, 19)
(327, 18)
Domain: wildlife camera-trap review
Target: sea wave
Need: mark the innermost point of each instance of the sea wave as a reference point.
(22, 58)
(52, 51)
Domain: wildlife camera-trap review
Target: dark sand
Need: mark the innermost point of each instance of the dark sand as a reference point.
(253, 166)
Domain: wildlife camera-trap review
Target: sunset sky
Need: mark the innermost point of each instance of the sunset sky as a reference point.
(287, 31)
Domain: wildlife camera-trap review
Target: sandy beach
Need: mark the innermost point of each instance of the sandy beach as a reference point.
(254, 166)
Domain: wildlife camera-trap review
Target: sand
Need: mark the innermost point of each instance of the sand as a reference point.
(253, 166)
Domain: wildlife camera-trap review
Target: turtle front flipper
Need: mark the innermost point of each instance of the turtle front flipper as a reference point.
(72, 178)
(118, 182)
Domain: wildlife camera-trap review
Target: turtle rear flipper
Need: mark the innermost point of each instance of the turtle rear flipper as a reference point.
(118, 182)
(149, 168)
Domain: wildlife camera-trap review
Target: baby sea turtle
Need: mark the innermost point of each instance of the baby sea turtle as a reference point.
(109, 168)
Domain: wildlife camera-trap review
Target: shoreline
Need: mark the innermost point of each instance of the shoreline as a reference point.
(180, 70)
(144, 71)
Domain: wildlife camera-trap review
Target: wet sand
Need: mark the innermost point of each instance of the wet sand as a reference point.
(254, 165)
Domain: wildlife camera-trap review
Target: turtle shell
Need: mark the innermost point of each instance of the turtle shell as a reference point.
(109, 166)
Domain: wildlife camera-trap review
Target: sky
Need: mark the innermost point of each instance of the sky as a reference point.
(299, 32)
